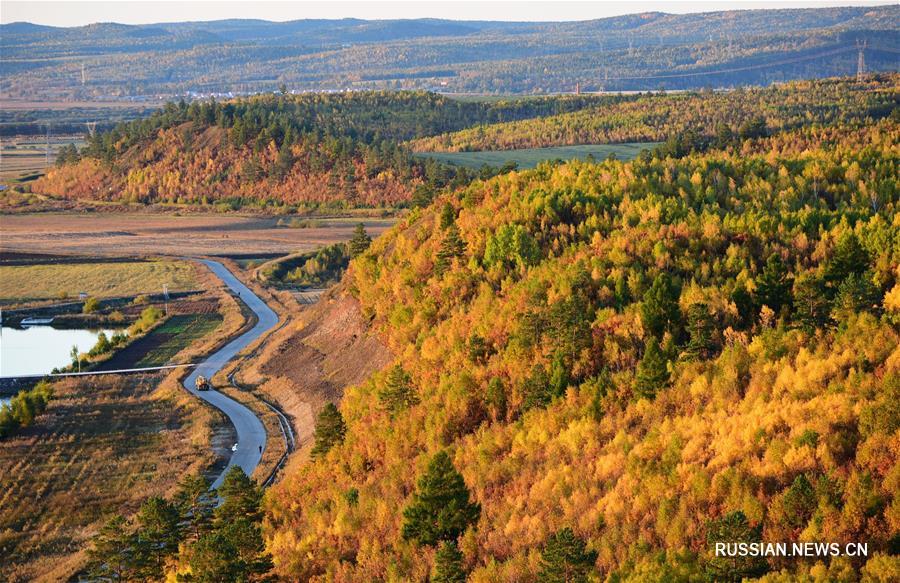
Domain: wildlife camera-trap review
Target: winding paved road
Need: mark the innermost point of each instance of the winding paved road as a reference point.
(251, 435)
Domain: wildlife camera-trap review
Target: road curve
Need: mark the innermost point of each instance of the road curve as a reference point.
(251, 435)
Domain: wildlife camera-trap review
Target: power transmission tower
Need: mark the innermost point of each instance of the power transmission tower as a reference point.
(92, 127)
(861, 61)
(83, 76)
(47, 151)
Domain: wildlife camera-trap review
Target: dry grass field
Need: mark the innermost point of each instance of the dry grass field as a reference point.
(26, 156)
(169, 234)
(48, 281)
(103, 445)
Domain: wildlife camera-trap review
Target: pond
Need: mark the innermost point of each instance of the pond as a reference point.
(40, 349)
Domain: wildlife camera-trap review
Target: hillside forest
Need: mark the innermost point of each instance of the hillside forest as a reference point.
(350, 150)
(600, 368)
(338, 150)
(604, 368)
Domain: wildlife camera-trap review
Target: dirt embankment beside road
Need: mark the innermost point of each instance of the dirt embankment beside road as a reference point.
(310, 361)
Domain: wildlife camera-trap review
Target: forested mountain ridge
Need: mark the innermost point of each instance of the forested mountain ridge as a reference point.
(655, 118)
(625, 363)
(303, 150)
(632, 52)
(354, 149)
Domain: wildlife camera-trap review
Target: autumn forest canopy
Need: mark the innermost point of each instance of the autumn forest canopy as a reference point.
(603, 368)
(346, 150)
(548, 302)
(597, 370)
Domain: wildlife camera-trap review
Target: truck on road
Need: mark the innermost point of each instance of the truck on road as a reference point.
(202, 383)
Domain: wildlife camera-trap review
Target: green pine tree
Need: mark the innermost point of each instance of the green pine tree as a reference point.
(799, 502)
(732, 528)
(536, 388)
(773, 286)
(422, 196)
(360, 241)
(699, 328)
(214, 558)
(565, 559)
(811, 306)
(195, 503)
(495, 398)
(855, 294)
(330, 430)
(448, 215)
(398, 392)
(241, 497)
(441, 508)
(659, 310)
(448, 564)
(158, 535)
(652, 372)
(285, 160)
(111, 554)
(743, 301)
(849, 257)
(452, 247)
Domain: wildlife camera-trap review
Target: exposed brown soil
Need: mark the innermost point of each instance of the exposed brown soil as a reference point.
(312, 360)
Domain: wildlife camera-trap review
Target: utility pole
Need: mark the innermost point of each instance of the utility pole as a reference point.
(83, 76)
(861, 61)
(166, 296)
(47, 152)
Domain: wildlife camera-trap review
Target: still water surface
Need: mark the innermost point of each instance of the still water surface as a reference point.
(40, 349)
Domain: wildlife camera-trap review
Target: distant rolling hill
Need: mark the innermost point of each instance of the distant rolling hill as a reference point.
(633, 52)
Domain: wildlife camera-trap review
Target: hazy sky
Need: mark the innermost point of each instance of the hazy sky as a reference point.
(79, 12)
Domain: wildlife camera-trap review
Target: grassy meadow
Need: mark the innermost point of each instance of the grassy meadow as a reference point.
(108, 279)
(531, 157)
(176, 334)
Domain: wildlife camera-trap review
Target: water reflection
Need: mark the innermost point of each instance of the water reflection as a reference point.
(40, 349)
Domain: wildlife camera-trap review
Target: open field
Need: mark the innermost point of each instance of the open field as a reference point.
(143, 233)
(175, 335)
(533, 156)
(37, 282)
(104, 445)
(40, 105)
(25, 157)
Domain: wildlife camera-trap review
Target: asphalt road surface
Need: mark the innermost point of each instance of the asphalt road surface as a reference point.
(251, 435)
